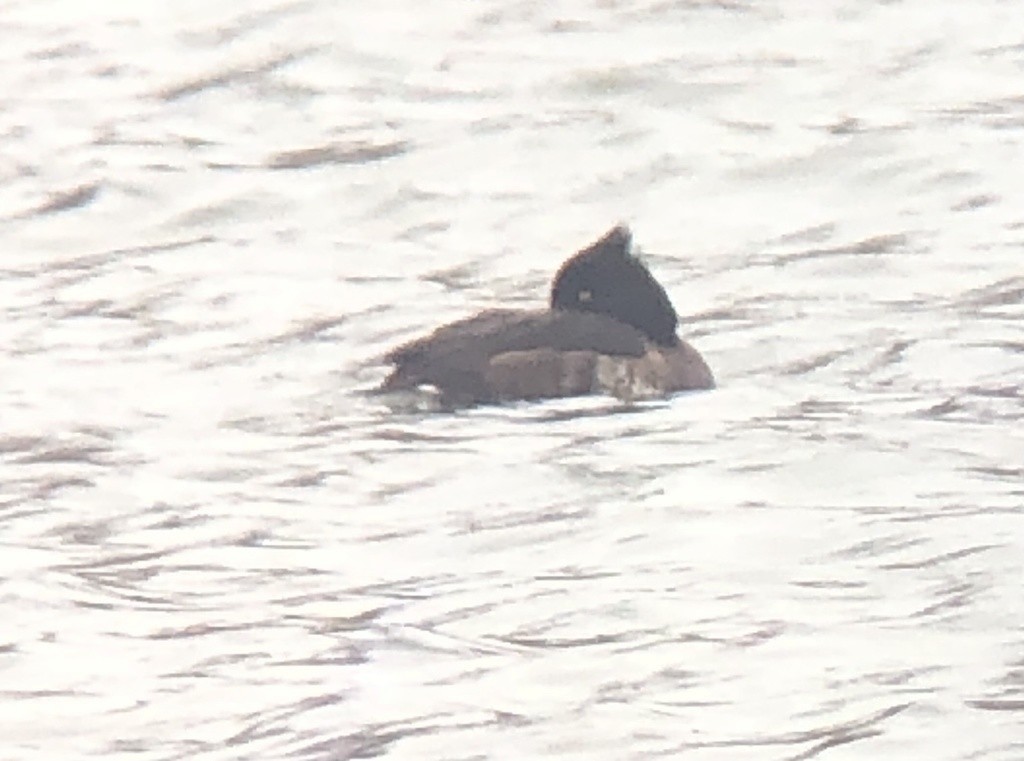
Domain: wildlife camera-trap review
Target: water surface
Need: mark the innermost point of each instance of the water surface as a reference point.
(214, 216)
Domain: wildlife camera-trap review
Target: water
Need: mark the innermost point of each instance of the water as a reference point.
(214, 216)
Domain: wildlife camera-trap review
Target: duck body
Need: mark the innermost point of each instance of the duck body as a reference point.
(609, 328)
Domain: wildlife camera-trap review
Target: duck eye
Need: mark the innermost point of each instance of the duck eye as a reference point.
(585, 296)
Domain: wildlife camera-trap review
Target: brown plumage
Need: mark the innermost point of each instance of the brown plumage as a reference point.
(610, 328)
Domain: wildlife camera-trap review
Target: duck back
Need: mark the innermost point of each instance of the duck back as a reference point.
(476, 359)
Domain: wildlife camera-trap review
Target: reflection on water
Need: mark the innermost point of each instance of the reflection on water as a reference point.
(216, 544)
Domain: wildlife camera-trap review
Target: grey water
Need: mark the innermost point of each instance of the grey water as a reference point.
(216, 216)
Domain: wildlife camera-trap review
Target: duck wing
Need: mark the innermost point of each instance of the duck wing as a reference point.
(455, 358)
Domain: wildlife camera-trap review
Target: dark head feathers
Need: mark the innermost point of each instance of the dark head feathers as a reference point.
(607, 279)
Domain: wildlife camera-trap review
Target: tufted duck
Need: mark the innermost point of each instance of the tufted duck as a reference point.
(610, 328)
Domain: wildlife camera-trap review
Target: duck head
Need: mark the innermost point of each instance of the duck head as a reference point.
(606, 278)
